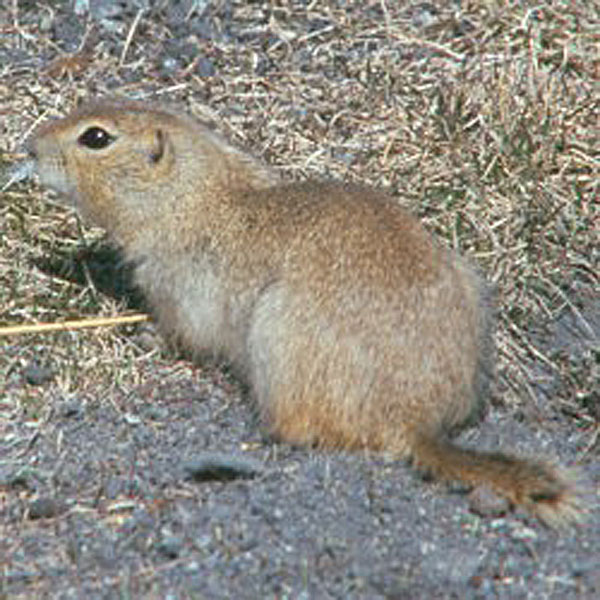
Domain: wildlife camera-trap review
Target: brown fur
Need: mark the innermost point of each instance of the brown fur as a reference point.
(352, 326)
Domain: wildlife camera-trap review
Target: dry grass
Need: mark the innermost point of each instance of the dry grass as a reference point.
(484, 120)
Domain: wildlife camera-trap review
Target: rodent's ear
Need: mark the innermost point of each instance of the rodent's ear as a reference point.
(159, 146)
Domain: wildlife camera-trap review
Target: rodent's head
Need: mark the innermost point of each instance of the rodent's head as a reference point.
(106, 153)
(126, 165)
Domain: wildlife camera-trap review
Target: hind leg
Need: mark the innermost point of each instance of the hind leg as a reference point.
(316, 385)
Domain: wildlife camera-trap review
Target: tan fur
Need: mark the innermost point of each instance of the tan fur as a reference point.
(352, 326)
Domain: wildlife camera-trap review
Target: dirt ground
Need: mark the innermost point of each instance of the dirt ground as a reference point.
(126, 471)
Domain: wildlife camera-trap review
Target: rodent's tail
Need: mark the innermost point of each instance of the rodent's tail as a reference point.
(544, 491)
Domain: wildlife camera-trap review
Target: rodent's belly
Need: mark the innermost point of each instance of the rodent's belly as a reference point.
(202, 320)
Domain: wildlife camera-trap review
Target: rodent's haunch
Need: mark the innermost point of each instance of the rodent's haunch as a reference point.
(353, 327)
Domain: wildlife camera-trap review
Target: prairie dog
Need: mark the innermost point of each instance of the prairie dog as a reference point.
(353, 327)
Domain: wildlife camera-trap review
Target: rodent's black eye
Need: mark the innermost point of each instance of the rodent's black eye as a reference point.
(95, 138)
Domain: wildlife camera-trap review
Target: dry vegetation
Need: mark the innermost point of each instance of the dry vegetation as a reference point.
(484, 119)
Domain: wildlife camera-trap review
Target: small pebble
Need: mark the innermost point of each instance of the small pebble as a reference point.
(523, 533)
(156, 413)
(215, 466)
(23, 477)
(132, 419)
(71, 409)
(205, 68)
(170, 546)
(35, 374)
(112, 487)
(486, 503)
(45, 508)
